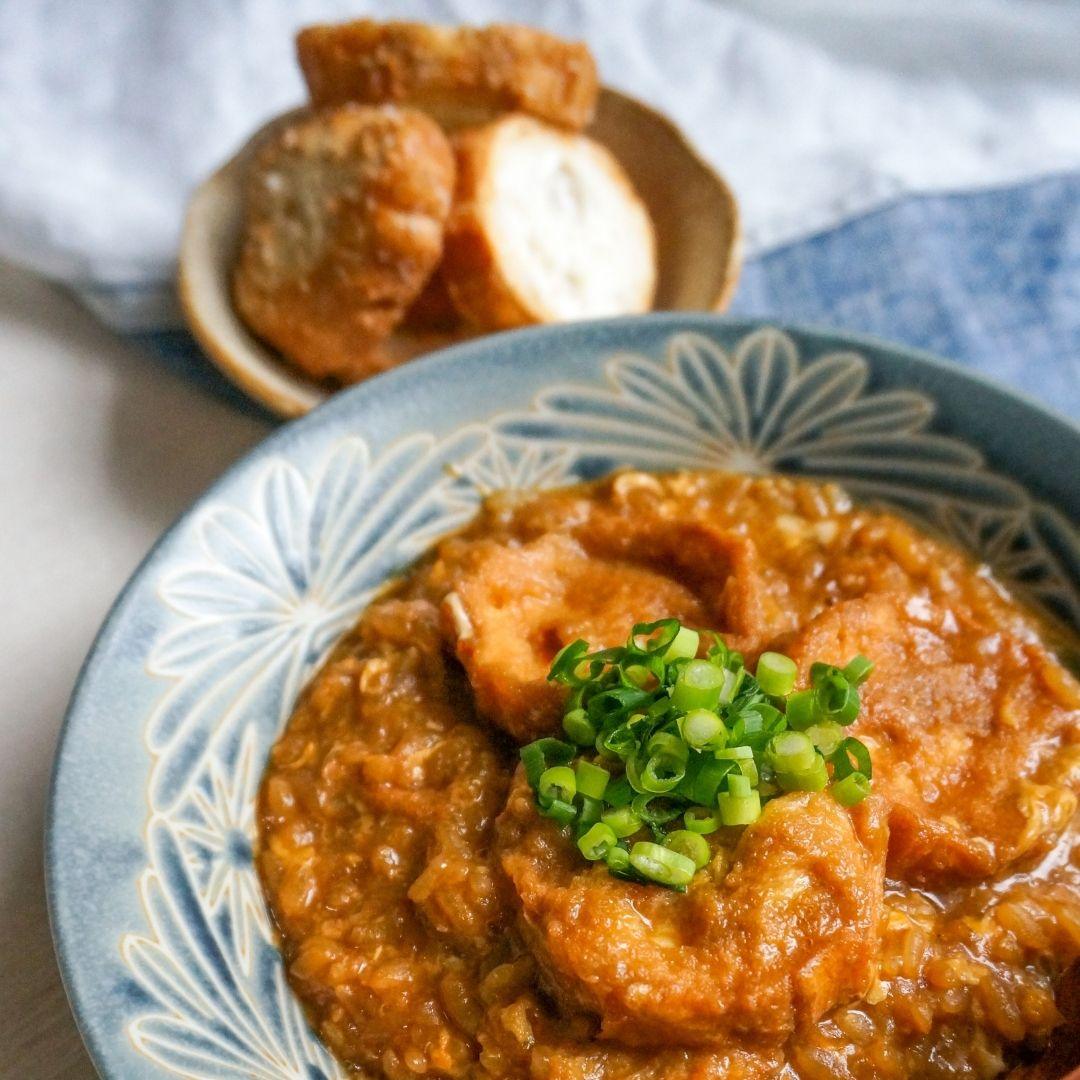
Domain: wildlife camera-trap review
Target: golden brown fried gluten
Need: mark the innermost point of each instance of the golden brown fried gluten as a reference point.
(344, 224)
(461, 75)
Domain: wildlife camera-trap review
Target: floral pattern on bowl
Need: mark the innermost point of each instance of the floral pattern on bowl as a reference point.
(226, 622)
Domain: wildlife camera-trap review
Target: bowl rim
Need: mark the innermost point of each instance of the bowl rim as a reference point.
(487, 349)
(269, 381)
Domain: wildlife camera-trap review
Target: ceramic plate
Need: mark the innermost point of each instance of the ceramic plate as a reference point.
(159, 921)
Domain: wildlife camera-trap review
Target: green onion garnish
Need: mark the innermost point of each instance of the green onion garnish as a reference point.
(622, 821)
(684, 645)
(857, 670)
(814, 777)
(667, 744)
(776, 674)
(579, 728)
(698, 686)
(791, 752)
(800, 711)
(597, 842)
(739, 809)
(592, 780)
(852, 789)
(701, 728)
(591, 809)
(563, 812)
(617, 859)
(558, 782)
(698, 819)
(656, 863)
(691, 844)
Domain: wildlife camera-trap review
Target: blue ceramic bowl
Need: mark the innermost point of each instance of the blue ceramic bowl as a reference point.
(159, 920)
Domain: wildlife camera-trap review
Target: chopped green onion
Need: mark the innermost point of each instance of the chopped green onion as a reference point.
(735, 753)
(557, 782)
(776, 674)
(710, 775)
(837, 700)
(743, 757)
(826, 736)
(579, 728)
(791, 752)
(732, 682)
(699, 819)
(654, 809)
(659, 864)
(637, 675)
(592, 780)
(664, 743)
(755, 724)
(698, 686)
(857, 670)
(561, 811)
(738, 785)
(801, 710)
(564, 666)
(849, 757)
(597, 842)
(616, 702)
(678, 737)
(852, 789)
(702, 728)
(658, 636)
(619, 742)
(660, 774)
(691, 844)
(537, 756)
(739, 809)
(619, 792)
(684, 646)
(617, 858)
(590, 812)
(622, 821)
(812, 779)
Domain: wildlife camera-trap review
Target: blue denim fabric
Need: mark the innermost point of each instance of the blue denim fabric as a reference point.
(990, 280)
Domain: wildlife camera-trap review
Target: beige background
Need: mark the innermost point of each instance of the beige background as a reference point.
(101, 447)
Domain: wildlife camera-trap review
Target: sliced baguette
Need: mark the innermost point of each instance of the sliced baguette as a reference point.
(344, 215)
(546, 227)
(461, 76)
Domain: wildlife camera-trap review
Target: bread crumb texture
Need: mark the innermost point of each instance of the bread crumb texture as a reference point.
(546, 227)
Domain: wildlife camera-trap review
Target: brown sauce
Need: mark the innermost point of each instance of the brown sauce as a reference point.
(434, 925)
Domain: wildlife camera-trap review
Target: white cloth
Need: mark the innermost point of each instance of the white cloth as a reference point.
(816, 110)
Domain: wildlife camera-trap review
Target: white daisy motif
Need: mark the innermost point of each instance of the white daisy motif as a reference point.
(216, 832)
(279, 581)
(506, 467)
(212, 1020)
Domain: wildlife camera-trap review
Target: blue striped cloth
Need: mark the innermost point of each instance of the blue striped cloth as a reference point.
(990, 280)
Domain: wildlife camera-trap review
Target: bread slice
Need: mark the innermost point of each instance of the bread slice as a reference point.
(461, 76)
(343, 227)
(546, 227)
